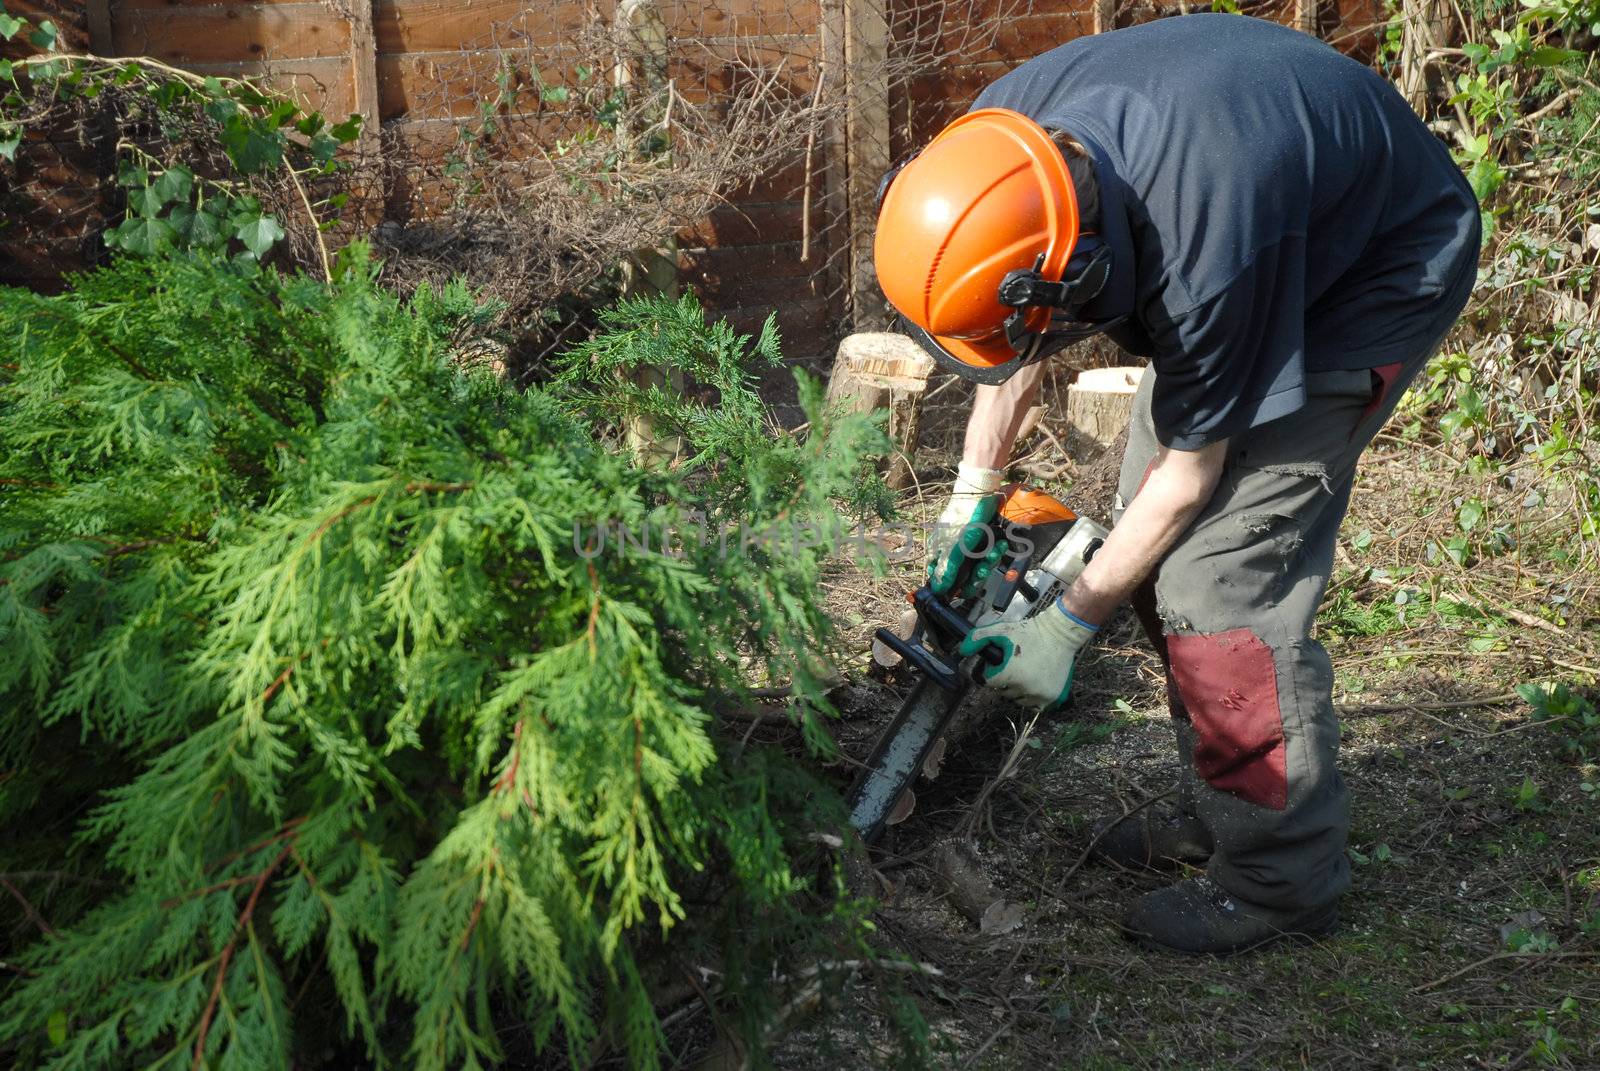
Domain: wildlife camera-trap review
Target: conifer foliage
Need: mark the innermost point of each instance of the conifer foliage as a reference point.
(327, 723)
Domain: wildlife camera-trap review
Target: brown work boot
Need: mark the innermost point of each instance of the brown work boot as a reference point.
(1198, 916)
(1153, 840)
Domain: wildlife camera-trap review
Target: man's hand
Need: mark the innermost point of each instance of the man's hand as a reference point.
(966, 507)
(1039, 655)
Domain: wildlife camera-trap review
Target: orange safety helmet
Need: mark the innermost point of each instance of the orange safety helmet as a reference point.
(975, 243)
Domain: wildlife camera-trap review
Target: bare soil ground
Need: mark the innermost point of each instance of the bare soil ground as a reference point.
(1472, 935)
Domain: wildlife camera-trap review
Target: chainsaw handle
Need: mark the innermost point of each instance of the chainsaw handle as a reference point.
(990, 654)
(956, 627)
(936, 617)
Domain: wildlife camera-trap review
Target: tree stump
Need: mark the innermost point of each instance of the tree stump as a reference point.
(884, 370)
(1099, 404)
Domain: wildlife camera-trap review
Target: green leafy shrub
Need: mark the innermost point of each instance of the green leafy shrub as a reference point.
(1568, 714)
(204, 162)
(1514, 396)
(336, 735)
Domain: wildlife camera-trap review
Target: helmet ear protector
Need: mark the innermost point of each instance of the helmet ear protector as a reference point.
(1022, 289)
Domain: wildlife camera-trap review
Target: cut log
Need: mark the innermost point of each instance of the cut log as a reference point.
(1099, 404)
(884, 370)
(971, 892)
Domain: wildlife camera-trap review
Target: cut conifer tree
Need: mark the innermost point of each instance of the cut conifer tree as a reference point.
(340, 684)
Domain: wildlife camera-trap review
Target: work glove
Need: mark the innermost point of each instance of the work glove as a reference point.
(971, 504)
(1039, 655)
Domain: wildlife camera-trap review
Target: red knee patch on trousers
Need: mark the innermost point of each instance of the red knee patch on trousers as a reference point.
(1386, 374)
(1229, 686)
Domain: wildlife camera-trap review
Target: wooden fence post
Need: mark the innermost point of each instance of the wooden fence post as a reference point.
(1305, 17)
(866, 56)
(1105, 15)
(641, 50)
(364, 79)
(364, 73)
(1424, 24)
(834, 280)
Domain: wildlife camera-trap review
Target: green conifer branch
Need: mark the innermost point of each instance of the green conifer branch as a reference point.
(350, 713)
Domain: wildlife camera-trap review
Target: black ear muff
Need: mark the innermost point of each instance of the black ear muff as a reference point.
(1088, 270)
(1084, 278)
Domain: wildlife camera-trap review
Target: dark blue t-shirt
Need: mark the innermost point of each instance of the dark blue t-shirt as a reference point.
(1273, 208)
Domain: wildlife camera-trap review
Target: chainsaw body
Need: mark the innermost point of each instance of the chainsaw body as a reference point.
(1011, 567)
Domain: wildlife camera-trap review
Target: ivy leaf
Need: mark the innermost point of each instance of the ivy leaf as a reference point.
(1470, 515)
(169, 93)
(282, 113)
(9, 25)
(221, 109)
(251, 149)
(147, 200)
(250, 96)
(10, 138)
(142, 235)
(1485, 176)
(175, 183)
(311, 124)
(44, 38)
(323, 148)
(1553, 57)
(348, 130)
(258, 234)
(197, 226)
(5, 70)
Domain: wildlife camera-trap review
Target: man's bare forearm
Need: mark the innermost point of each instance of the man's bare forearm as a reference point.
(996, 418)
(1180, 484)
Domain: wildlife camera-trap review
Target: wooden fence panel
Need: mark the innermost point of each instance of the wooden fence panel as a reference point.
(416, 67)
(238, 33)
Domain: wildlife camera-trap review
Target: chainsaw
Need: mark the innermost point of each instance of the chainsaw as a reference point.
(1009, 568)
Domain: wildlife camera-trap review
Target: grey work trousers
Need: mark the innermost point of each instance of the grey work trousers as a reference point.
(1230, 610)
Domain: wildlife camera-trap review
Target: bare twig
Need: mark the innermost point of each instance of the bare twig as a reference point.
(226, 958)
(28, 909)
(1475, 964)
(1095, 840)
(1452, 704)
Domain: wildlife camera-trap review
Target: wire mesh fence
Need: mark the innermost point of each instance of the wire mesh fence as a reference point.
(557, 153)
(741, 140)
